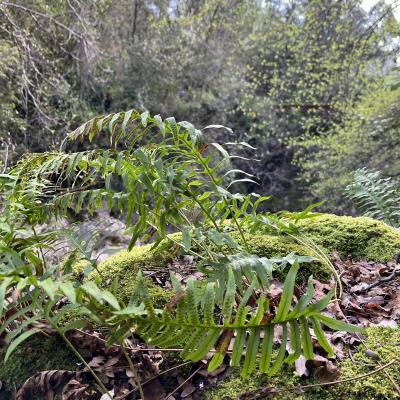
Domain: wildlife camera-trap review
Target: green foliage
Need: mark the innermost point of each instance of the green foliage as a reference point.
(366, 138)
(189, 321)
(164, 184)
(376, 197)
(170, 183)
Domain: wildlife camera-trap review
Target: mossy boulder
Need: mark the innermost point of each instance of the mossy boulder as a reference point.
(361, 237)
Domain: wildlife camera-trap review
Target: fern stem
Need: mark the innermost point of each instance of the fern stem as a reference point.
(40, 250)
(241, 234)
(76, 352)
(323, 258)
(134, 371)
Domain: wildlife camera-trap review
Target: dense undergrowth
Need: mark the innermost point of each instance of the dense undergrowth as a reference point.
(175, 183)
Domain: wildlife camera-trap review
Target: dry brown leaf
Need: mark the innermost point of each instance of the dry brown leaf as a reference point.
(75, 390)
(187, 390)
(43, 383)
(327, 373)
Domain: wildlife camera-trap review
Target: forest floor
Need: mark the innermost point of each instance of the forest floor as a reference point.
(371, 297)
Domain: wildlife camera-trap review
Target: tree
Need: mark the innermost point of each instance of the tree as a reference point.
(309, 63)
(368, 138)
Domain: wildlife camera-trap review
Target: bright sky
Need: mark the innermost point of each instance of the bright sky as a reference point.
(368, 4)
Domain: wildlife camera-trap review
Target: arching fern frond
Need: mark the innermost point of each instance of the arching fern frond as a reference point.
(131, 127)
(159, 174)
(377, 197)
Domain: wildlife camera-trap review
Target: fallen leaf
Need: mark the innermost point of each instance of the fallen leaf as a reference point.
(300, 366)
(327, 373)
(187, 390)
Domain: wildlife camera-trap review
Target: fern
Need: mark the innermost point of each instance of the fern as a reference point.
(246, 266)
(161, 176)
(200, 327)
(194, 320)
(377, 197)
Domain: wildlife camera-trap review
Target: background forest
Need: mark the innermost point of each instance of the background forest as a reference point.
(313, 85)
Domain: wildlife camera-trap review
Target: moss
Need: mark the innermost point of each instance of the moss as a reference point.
(124, 267)
(382, 341)
(232, 386)
(37, 354)
(361, 237)
(279, 246)
(385, 342)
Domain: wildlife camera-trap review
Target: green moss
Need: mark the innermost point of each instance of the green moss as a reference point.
(232, 386)
(124, 267)
(37, 354)
(382, 341)
(385, 342)
(361, 237)
(280, 246)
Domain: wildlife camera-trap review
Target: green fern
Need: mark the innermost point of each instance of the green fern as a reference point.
(247, 266)
(377, 197)
(159, 174)
(170, 182)
(200, 327)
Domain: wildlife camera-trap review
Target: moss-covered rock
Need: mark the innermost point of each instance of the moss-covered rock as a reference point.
(360, 237)
(124, 266)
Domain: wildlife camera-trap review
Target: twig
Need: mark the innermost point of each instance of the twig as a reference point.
(156, 376)
(134, 371)
(80, 357)
(377, 283)
(354, 378)
(183, 383)
(40, 14)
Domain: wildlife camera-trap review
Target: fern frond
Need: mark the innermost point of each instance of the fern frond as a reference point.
(377, 197)
(156, 172)
(247, 266)
(193, 325)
